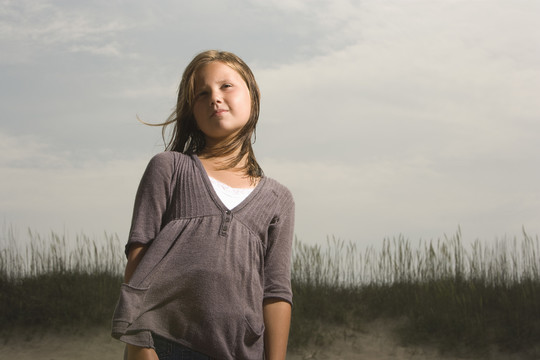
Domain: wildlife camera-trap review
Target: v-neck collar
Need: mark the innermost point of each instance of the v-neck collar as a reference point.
(214, 195)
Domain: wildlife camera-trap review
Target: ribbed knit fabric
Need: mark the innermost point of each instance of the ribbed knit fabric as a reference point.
(207, 269)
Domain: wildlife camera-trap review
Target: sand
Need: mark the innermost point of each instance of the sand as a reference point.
(375, 342)
(84, 345)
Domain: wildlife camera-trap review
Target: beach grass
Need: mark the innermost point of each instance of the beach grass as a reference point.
(52, 282)
(438, 292)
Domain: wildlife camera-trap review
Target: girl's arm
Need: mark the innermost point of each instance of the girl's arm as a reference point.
(277, 321)
(135, 254)
(150, 205)
(277, 283)
(140, 353)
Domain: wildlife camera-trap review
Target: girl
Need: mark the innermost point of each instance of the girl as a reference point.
(208, 271)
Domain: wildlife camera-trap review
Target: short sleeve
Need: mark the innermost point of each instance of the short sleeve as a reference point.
(151, 200)
(277, 265)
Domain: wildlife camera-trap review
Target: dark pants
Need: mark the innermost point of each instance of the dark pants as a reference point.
(169, 350)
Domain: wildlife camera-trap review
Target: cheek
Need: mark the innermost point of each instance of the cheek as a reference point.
(246, 104)
(196, 107)
(196, 119)
(197, 111)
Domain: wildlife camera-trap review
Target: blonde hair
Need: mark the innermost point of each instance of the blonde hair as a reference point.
(187, 138)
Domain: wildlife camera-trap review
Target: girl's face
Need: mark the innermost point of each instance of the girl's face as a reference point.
(222, 101)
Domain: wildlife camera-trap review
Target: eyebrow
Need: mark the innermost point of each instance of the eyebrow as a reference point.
(224, 81)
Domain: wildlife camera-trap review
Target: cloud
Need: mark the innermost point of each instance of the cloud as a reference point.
(29, 28)
(106, 50)
(414, 197)
(381, 117)
(45, 191)
(409, 86)
(27, 151)
(423, 124)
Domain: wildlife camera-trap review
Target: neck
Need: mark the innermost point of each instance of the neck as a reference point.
(224, 162)
(230, 155)
(224, 152)
(221, 169)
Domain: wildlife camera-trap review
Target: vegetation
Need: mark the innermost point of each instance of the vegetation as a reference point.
(52, 283)
(441, 292)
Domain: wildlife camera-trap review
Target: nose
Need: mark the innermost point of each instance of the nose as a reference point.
(216, 98)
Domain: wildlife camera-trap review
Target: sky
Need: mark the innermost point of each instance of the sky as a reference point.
(412, 118)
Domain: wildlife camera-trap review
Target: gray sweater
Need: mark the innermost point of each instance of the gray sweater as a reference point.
(204, 276)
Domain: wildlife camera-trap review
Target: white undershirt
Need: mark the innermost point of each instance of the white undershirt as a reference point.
(229, 196)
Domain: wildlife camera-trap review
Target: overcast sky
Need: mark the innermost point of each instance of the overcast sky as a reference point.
(382, 117)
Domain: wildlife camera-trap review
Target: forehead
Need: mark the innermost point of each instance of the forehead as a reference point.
(216, 72)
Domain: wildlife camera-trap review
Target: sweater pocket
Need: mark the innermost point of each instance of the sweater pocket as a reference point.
(128, 308)
(254, 330)
(252, 344)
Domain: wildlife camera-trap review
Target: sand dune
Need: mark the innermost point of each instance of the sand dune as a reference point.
(375, 342)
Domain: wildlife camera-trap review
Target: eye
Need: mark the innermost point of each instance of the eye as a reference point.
(227, 85)
(201, 94)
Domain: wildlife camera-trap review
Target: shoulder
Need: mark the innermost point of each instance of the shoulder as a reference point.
(169, 156)
(168, 159)
(166, 164)
(280, 190)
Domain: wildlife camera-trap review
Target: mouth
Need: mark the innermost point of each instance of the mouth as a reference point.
(219, 112)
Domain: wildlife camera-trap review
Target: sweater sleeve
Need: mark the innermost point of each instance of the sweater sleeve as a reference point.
(151, 200)
(277, 264)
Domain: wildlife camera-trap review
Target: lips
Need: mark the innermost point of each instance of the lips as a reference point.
(219, 112)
